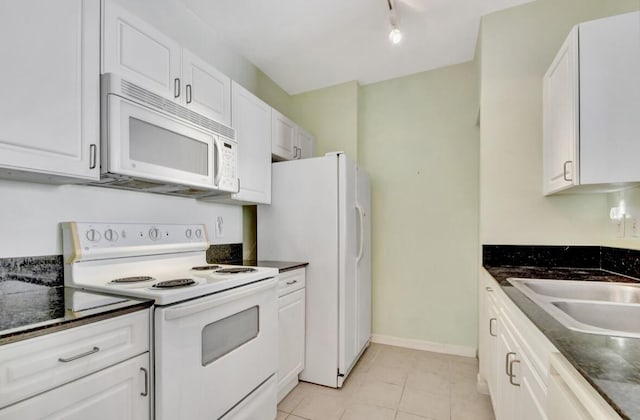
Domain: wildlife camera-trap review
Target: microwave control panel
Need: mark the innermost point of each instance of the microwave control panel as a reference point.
(228, 163)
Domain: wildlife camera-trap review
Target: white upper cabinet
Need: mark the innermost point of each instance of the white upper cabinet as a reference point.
(288, 140)
(590, 93)
(252, 120)
(145, 56)
(306, 144)
(283, 137)
(140, 53)
(206, 90)
(50, 102)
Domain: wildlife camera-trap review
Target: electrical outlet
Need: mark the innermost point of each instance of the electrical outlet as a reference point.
(631, 227)
(219, 227)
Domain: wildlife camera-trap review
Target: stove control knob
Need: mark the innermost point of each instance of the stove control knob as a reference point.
(154, 234)
(110, 235)
(198, 233)
(93, 235)
(188, 233)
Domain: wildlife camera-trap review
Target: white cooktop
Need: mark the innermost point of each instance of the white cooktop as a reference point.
(96, 254)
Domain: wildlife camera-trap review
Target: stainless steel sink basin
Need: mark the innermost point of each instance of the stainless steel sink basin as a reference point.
(608, 316)
(582, 290)
(597, 308)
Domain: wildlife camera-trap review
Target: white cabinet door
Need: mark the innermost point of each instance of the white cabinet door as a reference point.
(561, 118)
(283, 137)
(610, 99)
(508, 401)
(50, 101)
(140, 53)
(251, 119)
(119, 392)
(488, 335)
(305, 145)
(207, 90)
(291, 332)
(532, 390)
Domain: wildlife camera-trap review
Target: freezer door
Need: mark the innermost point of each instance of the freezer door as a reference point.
(301, 224)
(363, 259)
(348, 246)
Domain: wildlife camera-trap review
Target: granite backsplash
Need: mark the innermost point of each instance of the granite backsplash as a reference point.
(617, 260)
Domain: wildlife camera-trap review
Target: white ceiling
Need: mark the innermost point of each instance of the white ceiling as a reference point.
(309, 44)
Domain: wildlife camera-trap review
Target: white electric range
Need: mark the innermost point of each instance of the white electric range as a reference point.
(215, 326)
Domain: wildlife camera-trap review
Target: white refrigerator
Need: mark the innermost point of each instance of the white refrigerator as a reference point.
(320, 213)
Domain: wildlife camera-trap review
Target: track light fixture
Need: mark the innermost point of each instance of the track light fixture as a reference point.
(395, 36)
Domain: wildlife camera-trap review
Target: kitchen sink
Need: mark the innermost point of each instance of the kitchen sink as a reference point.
(591, 307)
(608, 316)
(582, 290)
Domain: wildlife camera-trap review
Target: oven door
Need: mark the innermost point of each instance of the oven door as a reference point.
(144, 143)
(212, 352)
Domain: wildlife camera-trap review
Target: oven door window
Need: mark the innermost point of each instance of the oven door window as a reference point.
(226, 335)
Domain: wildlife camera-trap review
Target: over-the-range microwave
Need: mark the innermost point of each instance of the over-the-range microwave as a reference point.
(150, 143)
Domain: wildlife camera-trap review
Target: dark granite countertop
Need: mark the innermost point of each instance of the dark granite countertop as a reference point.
(31, 309)
(280, 265)
(610, 364)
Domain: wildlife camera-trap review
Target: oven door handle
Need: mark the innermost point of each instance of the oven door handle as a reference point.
(212, 301)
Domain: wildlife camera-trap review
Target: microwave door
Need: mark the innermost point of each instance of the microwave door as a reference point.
(148, 144)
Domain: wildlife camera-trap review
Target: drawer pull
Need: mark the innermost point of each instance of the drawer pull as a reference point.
(72, 358)
(289, 283)
(507, 365)
(146, 382)
(511, 374)
(491, 321)
(488, 289)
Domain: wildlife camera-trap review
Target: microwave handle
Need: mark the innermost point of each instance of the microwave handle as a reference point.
(217, 162)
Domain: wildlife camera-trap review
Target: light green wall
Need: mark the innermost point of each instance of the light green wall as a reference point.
(267, 90)
(331, 115)
(517, 47)
(419, 143)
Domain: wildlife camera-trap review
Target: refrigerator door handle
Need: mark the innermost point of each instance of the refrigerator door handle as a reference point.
(361, 248)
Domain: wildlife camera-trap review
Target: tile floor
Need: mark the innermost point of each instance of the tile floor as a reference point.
(395, 383)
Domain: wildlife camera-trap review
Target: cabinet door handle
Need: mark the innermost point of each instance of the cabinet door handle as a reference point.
(511, 376)
(289, 283)
(564, 171)
(491, 333)
(93, 156)
(188, 94)
(488, 289)
(76, 357)
(146, 382)
(507, 363)
(176, 87)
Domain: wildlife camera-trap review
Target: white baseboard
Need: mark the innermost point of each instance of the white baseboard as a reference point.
(424, 345)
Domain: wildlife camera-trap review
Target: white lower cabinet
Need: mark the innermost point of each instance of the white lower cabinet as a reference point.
(521, 395)
(94, 371)
(526, 376)
(118, 392)
(571, 397)
(513, 356)
(291, 329)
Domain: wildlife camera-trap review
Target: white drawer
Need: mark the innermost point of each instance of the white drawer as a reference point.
(290, 281)
(32, 366)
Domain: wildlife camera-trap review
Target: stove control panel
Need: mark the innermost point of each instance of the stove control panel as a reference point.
(90, 241)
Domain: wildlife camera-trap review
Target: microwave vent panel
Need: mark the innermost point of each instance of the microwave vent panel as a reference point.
(158, 102)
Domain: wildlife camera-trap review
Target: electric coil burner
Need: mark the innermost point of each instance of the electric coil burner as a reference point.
(236, 270)
(205, 267)
(171, 284)
(135, 279)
